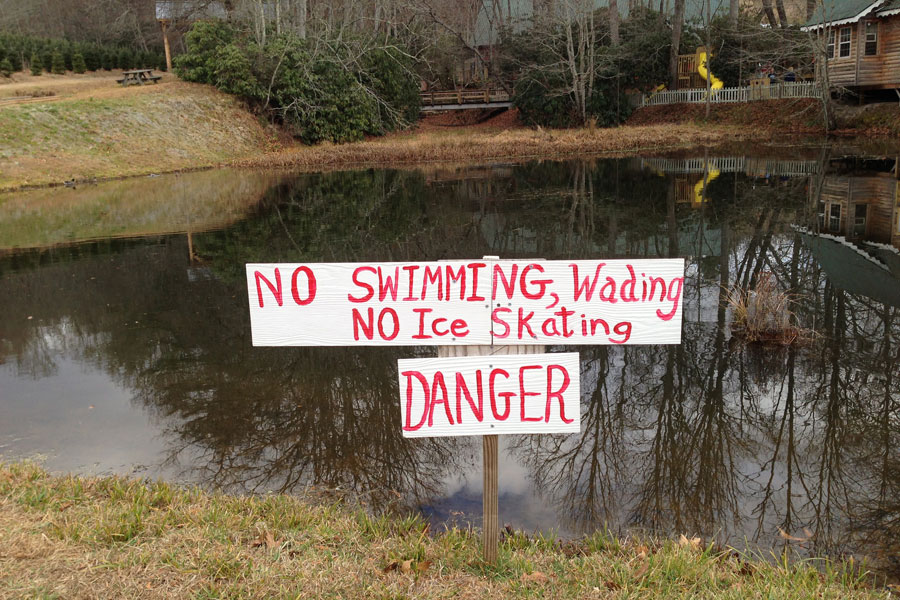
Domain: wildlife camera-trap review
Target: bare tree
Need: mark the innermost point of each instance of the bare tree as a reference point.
(677, 23)
(614, 22)
(581, 44)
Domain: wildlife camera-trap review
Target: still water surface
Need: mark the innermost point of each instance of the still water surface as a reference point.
(133, 355)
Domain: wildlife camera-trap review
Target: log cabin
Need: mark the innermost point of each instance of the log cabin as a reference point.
(862, 206)
(862, 42)
(856, 239)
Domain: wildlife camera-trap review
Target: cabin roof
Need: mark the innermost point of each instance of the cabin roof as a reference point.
(851, 268)
(891, 7)
(841, 12)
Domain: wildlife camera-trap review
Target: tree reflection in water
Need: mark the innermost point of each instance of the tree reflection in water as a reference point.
(712, 437)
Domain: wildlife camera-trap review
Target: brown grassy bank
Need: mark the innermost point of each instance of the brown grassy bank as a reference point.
(771, 119)
(73, 537)
(483, 144)
(881, 119)
(776, 119)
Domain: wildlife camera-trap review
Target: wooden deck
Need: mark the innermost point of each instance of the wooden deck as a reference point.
(439, 100)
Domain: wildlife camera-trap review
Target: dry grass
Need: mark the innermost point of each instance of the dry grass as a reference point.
(763, 314)
(466, 145)
(68, 537)
(115, 132)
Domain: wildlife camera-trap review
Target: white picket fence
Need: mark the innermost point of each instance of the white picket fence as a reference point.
(733, 164)
(777, 91)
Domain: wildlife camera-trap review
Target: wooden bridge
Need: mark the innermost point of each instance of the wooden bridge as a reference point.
(439, 100)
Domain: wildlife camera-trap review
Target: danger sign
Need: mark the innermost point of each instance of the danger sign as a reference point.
(483, 395)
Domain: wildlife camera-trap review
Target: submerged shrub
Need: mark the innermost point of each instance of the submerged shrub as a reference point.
(762, 314)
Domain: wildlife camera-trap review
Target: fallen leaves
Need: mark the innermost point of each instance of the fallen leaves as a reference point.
(265, 538)
(535, 577)
(642, 570)
(693, 543)
(408, 566)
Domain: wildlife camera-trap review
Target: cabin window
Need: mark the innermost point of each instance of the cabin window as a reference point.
(834, 221)
(871, 38)
(844, 49)
(829, 49)
(821, 215)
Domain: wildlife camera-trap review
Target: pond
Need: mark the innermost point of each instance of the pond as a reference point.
(125, 344)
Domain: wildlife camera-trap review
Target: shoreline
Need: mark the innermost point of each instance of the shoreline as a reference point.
(91, 130)
(462, 146)
(112, 537)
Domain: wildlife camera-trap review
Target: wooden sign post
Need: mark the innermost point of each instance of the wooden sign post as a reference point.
(490, 502)
(490, 319)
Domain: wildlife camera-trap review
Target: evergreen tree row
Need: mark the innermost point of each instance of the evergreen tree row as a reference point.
(39, 55)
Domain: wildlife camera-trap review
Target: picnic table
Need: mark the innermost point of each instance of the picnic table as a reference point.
(138, 76)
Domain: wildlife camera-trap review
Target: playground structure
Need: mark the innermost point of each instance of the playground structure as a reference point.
(693, 72)
(714, 82)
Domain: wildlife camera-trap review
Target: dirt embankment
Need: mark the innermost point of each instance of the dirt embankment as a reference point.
(869, 119)
(795, 116)
(84, 127)
(790, 116)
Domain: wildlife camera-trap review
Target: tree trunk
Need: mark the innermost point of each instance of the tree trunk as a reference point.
(277, 17)
(734, 10)
(770, 14)
(614, 22)
(708, 68)
(782, 15)
(301, 18)
(677, 22)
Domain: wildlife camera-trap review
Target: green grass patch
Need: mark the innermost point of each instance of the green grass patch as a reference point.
(115, 537)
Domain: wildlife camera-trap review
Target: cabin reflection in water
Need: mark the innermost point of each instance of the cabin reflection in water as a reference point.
(856, 236)
(859, 200)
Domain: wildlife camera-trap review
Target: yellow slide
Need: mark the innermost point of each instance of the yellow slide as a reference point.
(711, 173)
(715, 82)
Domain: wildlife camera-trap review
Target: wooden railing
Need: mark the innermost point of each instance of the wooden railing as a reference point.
(441, 98)
(777, 91)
